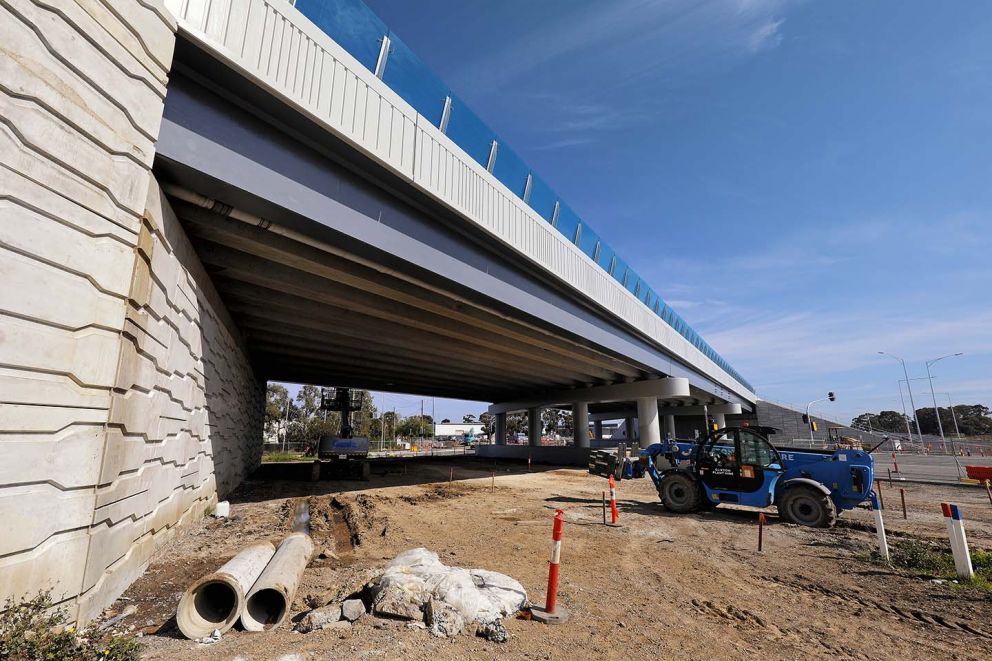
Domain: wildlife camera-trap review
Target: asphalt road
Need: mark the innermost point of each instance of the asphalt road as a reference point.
(936, 468)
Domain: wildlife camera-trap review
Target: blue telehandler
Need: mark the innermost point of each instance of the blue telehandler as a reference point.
(739, 465)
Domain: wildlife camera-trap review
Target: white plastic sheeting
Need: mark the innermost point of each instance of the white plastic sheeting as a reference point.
(417, 577)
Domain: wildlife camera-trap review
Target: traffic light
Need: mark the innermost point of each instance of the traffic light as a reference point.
(805, 419)
(813, 425)
(831, 397)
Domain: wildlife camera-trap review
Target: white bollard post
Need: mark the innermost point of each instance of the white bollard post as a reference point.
(959, 542)
(883, 544)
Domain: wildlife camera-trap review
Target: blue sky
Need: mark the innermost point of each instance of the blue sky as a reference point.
(807, 183)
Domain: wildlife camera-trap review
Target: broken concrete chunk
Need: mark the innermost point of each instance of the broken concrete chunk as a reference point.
(352, 609)
(493, 631)
(443, 618)
(405, 602)
(319, 618)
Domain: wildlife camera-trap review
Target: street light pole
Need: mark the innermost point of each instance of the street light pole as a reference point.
(904, 416)
(957, 432)
(909, 388)
(936, 411)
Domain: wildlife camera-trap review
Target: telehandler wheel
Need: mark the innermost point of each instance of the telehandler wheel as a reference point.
(679, 493)
(807, 506)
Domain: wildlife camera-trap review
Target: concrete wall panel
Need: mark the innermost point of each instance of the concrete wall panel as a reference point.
(180, 360)
(123, 375)
(69, 459)
(57, 565)
(87, 356)
(76, 303)
(35, 512)
(85, 48)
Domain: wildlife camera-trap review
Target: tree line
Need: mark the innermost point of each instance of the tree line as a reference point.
(971, 420)
(301, 420)
(552, 421)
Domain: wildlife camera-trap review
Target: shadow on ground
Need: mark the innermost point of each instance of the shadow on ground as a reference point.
(294, 479)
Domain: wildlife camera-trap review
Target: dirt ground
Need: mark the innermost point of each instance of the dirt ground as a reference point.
(658, 586)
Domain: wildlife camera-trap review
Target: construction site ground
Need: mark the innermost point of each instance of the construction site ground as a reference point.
(657, 586)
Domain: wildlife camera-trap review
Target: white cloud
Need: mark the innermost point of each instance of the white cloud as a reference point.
(806, 343)
(798, 322)
(630, 39)
(765, 37)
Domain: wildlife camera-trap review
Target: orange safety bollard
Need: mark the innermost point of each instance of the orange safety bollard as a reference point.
(552, 613)
(614, 512)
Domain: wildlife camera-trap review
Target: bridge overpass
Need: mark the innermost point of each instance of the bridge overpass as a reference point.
(204, 195)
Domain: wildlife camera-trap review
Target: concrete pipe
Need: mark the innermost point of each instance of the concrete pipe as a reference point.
(269, 600)
(216, 600)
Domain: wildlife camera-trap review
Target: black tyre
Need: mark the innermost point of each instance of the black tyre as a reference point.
(807, 506)
(679, 493)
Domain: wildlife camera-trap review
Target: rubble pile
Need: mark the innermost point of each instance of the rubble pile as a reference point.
(416, 585)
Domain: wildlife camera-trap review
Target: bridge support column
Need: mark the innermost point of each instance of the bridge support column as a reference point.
(647, 421)
(628, 427)
(597, 428)
(670, 426)
(500, 429)
(580, 425)
(534, 425)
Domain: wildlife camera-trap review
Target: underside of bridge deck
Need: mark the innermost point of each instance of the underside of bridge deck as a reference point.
(311, 312)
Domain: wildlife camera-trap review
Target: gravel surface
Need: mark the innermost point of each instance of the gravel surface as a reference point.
(657, 586)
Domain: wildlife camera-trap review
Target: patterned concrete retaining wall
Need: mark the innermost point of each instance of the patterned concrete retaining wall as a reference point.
(126, 400)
